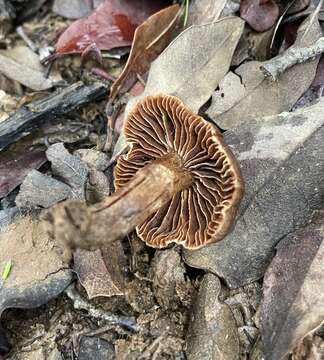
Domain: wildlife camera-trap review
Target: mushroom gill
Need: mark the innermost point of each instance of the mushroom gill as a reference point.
(161, 128)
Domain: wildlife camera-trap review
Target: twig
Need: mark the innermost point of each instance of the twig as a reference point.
(30, 117)
(277, 65)
(80, 304)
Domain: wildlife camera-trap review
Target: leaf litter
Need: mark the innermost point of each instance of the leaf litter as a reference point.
(281, 161)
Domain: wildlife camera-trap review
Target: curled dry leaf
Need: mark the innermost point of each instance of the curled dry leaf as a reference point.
(257, 96)
(150, 39)
(212, 332)
(293, 294)
(191, 67)
(282, 163)
(261, 15)
(39, 271)
(112, 24)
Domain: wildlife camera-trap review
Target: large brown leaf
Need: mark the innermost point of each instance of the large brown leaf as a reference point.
(150, 39)
(293, 303)
(282, 163)
(192, 65)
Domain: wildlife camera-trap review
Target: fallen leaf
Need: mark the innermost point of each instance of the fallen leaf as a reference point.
(69, 168)
(150, 39)
(112, 24)
(100, 278)
(192, 65)
(39, 273)
(293, 290)
(74, 9)
(282, 163)
(204, 11)
(169, 280)
(23, 65)
(261, 15)
(252, 46)
(16, 164)
(212, 332)
(263, 96)
(40, 190)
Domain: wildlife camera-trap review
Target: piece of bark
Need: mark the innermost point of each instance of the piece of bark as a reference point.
(30, 117)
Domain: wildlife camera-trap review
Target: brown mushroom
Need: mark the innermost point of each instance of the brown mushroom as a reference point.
(178, 183)
(162, 130)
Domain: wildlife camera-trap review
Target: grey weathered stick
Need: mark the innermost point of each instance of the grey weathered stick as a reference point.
(277, 65)
(30, 117)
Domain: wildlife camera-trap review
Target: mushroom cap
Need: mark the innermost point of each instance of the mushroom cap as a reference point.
(202, 213)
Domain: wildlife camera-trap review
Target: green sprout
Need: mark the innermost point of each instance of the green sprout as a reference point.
(185, 19)
(6, 270)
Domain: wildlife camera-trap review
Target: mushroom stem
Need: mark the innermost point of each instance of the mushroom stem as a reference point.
(116, 216)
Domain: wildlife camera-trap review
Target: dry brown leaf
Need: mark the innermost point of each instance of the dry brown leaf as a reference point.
(191, 67)
(294, 290)
(16, 164)
(150, 39)
(97, 277)
(263, 96)
(261, 15)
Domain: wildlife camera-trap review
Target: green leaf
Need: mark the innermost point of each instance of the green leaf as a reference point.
(6, 270)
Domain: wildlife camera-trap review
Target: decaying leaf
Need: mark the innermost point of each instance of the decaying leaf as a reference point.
(16, 164)
(212, 332)
(74, 9)
(282, 163)
(293, 294)
(169, 282)
(263, 96)
(23, 65)
(41, 190)
(150, 39)
(112, 24)
(70, 168)
(261, 15)
(98, 277)
(204, 11)
(192, 65)
(39, 272)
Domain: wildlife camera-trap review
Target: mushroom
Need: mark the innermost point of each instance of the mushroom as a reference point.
(179, 183)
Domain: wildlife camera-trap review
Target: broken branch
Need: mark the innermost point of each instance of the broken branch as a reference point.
(35, 114)
(277, 65)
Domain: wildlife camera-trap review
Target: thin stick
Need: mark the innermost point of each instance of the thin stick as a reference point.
(292, 56)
